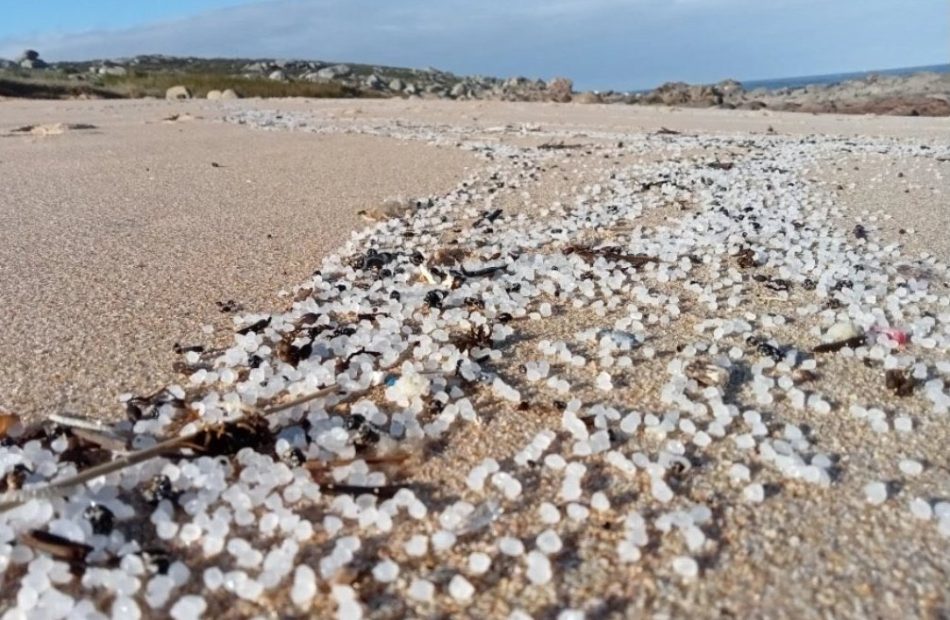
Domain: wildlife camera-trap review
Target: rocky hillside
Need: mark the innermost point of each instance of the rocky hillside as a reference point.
(346, 79)
(924, 94)
(920, 94)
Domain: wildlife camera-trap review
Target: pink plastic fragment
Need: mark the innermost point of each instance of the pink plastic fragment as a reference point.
(900, 336)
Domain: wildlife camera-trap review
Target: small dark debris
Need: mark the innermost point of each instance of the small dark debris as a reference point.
(611, 253)
(366, 434)
(100, 518)
(157, 489)
(307, 319)
(491, 216)
(139, 407)
(434, 298)
(746, 258)
(778, 284)
(157, 561)
(901, 382)
(462, 272)
(15, 478)
(764, 348)
(382, 492)
(292, 457)
(256, 327)
(228, 306)
(474, 303)
(182, 349)
(292, 354)
(677, 469)
(374, 259)
(802, 375)
(344, 363)
(830, 347)
(75, 126)
(477, 336)
(57, 546)
(251, 431)
(558, 146)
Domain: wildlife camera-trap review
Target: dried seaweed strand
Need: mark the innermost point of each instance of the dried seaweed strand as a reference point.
(13, 499)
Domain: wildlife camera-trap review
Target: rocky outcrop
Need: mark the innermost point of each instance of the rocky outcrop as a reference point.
(560, 90)
(588, 97)
(920, 94)
(110, 68)
(373, 81)
(177, 92)
(334, 71)
(694, 95)
(923, 94)
(428, 83)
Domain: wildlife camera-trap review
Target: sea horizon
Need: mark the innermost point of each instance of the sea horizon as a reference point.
(824, 78)
(835, 78)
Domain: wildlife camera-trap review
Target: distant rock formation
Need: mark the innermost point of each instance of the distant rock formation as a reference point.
(560, 90)
(177, 92)
(919, 94)
(924, 94)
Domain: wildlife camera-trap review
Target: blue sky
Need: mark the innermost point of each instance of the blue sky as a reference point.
(619, 44)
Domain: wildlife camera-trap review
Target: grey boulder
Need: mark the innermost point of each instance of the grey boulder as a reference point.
(177, 92)
(334, 71)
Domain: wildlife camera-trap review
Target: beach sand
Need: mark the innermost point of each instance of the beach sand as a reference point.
(86, 322)
(116, 242)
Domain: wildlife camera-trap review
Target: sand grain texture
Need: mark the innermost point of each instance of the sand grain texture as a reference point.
(815, 547)
(116, 242)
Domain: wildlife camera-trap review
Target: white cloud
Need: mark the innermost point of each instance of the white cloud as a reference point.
(599, 43)
(325, 26)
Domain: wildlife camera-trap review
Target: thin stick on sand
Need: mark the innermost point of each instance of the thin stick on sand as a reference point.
(15, 498)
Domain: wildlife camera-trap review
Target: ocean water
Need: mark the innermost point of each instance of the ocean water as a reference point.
(834, 78)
